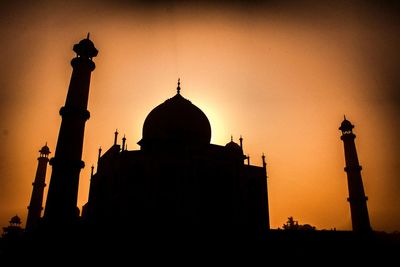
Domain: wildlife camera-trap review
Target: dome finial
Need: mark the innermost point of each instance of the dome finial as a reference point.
(88, 35)
(344, 116)
(178, 89)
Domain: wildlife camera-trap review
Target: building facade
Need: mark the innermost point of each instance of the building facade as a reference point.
(179, 183)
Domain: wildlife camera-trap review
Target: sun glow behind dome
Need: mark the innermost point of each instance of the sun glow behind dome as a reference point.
(176, 121)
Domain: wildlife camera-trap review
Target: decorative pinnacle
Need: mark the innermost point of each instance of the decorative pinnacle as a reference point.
(88, 35)
(344, 116)
(231, 138)
(178, 89)
(263, 160)
(115, 136)
(123, 143)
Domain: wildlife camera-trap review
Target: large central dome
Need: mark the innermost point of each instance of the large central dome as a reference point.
(176, 122)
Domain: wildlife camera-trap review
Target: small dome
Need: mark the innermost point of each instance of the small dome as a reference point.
(346, 126)
(233, 147)
(85, 48)
(15, 220)
(45, 150)
(176, 121)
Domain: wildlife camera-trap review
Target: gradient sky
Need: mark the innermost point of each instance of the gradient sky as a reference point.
(280, 75)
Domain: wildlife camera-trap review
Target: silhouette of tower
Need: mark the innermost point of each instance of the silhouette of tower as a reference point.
(357, 198)
(63, 190)
(35, 206)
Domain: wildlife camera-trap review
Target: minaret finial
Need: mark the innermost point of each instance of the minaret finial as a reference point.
(115, 137)
(241, 142)
(99, 155)
(98, 158)
(123, 143)
(263, 160)
(178, 89)
(88, 35)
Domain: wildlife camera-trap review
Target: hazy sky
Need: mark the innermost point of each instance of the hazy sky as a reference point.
(280, 75)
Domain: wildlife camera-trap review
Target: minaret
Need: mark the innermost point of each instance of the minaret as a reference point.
(357, 199)
(123, 143)
(35, 206)
(63, 190)
(265, 200)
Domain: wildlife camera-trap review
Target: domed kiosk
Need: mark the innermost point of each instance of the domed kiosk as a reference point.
(175, 123)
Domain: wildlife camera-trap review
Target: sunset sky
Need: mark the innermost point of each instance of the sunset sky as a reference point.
(280, 75)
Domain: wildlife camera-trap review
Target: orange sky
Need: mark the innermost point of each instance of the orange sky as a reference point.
(282, 76)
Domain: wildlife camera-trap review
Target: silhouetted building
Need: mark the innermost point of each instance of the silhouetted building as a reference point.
(291, 224)
(35, 206)
(14, 230)
(357, 198)
(178, 182)
(63, 190)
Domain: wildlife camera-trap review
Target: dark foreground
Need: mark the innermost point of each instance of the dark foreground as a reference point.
(278, 246)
